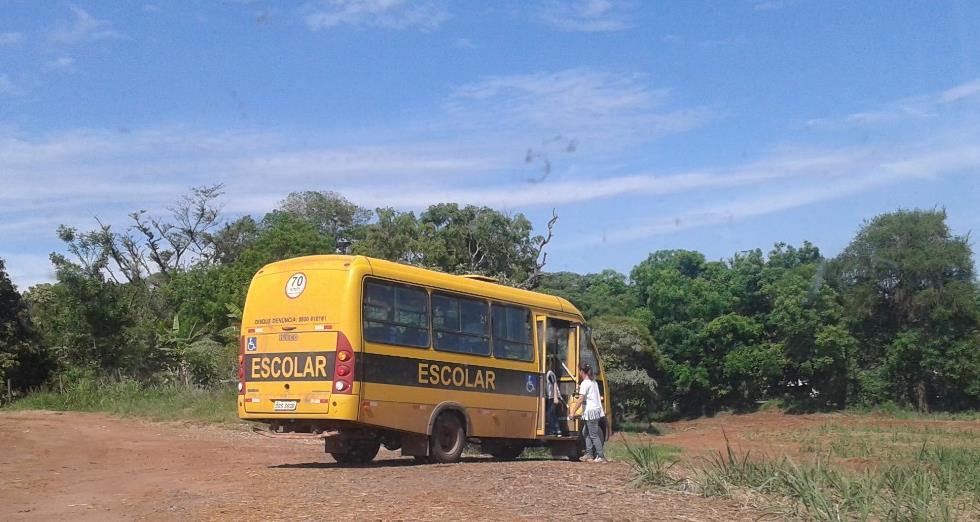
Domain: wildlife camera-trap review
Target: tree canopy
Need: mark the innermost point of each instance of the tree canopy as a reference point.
(895, 317)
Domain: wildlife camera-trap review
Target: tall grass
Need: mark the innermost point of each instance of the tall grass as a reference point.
(131, 398)
(651, 464)
(938, 483)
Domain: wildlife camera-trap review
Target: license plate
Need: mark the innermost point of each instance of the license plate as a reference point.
(284, 405)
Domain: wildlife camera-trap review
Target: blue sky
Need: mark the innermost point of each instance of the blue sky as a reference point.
(716, 126)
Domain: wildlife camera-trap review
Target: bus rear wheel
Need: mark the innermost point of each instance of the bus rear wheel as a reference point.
(361, 452)
(447, 440)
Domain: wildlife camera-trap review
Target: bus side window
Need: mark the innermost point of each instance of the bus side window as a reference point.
(461, 325)
(396, 314)
(558, 339)
(586, 354)
(512, 333)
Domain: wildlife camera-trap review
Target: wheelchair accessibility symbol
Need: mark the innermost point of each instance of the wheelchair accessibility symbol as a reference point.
(531, 386)
(252, 344)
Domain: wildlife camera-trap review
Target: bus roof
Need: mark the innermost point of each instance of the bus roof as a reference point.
(423, 276)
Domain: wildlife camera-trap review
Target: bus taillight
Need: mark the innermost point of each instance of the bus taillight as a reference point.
(343, 371)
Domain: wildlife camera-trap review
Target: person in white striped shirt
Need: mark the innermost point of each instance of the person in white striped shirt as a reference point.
(589, 394)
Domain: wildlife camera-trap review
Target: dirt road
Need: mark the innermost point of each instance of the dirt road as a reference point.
(84, 466)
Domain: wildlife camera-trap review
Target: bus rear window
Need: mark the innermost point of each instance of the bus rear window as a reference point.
(396, 314)
(512, 333)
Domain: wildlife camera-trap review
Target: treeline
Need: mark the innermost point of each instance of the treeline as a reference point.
(159, 301)
(894, 318)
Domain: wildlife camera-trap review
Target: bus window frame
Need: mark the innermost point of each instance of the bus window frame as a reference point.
(530, 331)
(460, 297)
(428, 314)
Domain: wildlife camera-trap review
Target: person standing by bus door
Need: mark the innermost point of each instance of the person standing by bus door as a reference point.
(552, 400)
(592, 416)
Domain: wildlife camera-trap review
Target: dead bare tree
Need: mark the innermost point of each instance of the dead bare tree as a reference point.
(541, 258)
(172, 245)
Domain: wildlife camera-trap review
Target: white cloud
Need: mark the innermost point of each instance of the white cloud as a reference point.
(27, 270)
(10, 88)
(913, 107)
(473, 152)
(63, 63)
(587, 105)
(803, 178)
(388, 14)
(11, 38)
(149, 167)
(587, 15)
(708, 43)
(84, 28)
(772, 5)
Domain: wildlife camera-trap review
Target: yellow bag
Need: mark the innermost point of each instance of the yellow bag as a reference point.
(579, 411)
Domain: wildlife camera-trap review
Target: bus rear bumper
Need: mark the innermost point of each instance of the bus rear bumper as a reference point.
(337, 407)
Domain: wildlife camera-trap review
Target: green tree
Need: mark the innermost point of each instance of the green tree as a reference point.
(22, 358)
(233, 239)
(203, 294)
(331, 214)
(604, 294)
(908, 288)
(632, 363)
(393, 236)
(806, 318)
(460, 240)
(682, 294)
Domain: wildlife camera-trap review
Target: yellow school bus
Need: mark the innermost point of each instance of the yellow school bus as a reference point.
(364, 352)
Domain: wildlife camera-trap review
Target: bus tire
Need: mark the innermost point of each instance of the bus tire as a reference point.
(361, 452)
(448, 438)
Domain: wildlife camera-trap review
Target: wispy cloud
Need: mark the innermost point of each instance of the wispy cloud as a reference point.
(803, 178)
(11, 38)
(772, 5)
(82, 28)
(27, 270)
(913, 107)
(63, 63)
(705, 43)
(475, 154)
(9, 87)
(587, 15)
(576, 103)
(464, 43)
(387, 14)
(95, 166)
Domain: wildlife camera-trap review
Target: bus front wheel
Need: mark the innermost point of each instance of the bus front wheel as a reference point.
(447, 440)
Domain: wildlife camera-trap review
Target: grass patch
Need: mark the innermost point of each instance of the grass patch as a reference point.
(131, 398)
(933, 482)
(904, 413)
(536, 453)
(619, 449)
(638, 427)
